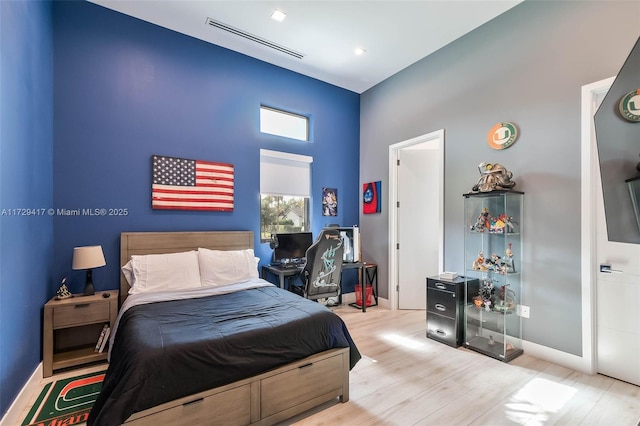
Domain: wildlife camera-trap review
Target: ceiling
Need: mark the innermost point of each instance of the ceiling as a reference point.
(394, 34)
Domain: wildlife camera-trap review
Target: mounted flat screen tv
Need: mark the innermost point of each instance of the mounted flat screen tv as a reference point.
(292, 247)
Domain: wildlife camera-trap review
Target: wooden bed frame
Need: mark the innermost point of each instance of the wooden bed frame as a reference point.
(264, 399)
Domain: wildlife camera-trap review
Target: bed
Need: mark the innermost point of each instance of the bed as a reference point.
(243, 352)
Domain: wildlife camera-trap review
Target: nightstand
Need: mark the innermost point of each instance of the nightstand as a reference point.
(71, 328)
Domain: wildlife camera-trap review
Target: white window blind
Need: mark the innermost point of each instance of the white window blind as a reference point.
(282, 173)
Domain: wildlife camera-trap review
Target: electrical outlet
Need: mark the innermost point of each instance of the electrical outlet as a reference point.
(523, 311)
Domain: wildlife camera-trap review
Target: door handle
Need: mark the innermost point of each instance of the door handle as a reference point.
(607, 270)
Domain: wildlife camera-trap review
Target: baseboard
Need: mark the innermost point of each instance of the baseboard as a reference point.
(13, 416)
(384, 303)
(555, 356)
(349, 297)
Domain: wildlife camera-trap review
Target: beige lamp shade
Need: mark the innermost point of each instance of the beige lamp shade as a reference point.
(88, 257)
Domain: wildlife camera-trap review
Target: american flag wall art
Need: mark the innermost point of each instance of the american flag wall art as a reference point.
(182, 184)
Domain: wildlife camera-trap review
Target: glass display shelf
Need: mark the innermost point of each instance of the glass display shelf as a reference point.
(493, 267)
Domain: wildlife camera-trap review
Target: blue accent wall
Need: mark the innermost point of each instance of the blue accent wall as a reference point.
(125, 90)
(26, 152)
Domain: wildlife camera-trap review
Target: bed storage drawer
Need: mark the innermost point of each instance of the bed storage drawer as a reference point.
(231, 407)
(307, 382)
(265, 399)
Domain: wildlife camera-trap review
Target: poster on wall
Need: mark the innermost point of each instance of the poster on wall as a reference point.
(329, 202)
(371, 198)
(183, 184)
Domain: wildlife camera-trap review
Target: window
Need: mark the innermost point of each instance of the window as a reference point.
(282, 123)
(285, 187)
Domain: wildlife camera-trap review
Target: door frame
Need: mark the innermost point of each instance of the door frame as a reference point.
(394, 149)
(588, 220)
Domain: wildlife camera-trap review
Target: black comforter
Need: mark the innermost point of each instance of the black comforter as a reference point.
(167, 350)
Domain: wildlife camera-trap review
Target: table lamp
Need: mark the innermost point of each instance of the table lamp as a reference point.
(86, 258)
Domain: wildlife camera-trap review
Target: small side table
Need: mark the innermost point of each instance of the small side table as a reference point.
(71, 328)
(367, 276)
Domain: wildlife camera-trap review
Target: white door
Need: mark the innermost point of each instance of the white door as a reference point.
(617, 303)
(617, 295)
(418, 218)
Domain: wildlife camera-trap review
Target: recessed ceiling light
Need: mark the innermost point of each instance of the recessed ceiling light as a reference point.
(278, 15)
(359, 51)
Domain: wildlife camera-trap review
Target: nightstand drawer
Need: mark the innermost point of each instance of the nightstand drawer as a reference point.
(80, 313)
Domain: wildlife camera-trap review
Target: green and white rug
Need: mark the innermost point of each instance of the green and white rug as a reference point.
(65, 402)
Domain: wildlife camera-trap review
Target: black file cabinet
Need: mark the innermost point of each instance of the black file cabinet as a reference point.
(445, 310)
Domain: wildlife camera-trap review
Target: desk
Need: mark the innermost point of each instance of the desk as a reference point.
(367, 276)
(281, 272)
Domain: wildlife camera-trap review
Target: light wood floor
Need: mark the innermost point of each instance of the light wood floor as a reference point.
(406, 379)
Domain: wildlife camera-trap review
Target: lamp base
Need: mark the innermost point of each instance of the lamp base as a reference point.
(88, 285)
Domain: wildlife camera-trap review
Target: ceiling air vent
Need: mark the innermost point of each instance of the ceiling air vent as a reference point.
(232, 30)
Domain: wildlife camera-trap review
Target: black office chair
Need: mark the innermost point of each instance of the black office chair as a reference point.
(321, 272)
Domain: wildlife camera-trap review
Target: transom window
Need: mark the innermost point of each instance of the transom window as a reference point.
(283, 123)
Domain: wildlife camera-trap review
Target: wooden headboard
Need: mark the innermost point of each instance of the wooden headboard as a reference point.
(173, 242)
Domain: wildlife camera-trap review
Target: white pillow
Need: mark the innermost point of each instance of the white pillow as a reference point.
(219, 267)
(162, 272)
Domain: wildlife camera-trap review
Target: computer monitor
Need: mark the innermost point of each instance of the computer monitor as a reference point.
(292, 247)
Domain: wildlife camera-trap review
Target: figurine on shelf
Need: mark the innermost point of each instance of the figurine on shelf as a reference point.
(485, 216)
(506, 302)
(482, 222)
(509, 222)
(479, 225)
(486, 293)
(63, 292)
(493, 263)
(508, 266)
(487, 304)
(478, 264)
(498, 224)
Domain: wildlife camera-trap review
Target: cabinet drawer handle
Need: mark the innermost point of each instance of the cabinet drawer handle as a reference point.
(441, 333)
(193, 402)
(441, 307)
(305, 365)
(81, 305)
(441, 286)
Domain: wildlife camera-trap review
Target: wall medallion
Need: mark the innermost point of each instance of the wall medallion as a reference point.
(630, 106)
(502, 135)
